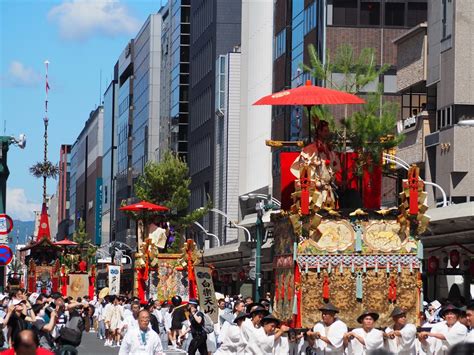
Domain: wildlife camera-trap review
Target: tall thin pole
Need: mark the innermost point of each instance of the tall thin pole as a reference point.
(45, 120)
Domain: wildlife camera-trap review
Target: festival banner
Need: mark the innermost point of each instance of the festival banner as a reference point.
(207, 295)
(114, 280)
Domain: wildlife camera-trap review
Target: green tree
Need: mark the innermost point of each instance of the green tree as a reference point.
(370, 130)
(86, 248)
(167, 183)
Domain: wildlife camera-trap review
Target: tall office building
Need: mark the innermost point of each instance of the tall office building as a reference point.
(64, 190)
(86, 177)
(124, 179)
(215, 30)
(146, 94)
(109, 160)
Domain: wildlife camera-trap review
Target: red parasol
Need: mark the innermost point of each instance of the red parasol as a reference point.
(309, 95)
(144, 206)
(65, 243)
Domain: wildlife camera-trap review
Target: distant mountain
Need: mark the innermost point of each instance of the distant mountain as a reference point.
(21, 233)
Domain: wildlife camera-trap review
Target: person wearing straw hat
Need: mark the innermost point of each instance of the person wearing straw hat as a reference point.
(444, 335)
(266, 342)
(361, 341)
(329, 332)
(400, 338)
(233, 341)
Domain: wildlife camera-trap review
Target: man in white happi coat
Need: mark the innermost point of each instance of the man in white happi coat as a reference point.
(362, 341)
(252, 327)
(142, 340)
(444, 335)
(470, 323)
(329, 333)
(233, 340)
(400, 338)
(267, 342)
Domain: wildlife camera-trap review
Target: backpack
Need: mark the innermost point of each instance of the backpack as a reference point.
(71, 333)
(208, 325)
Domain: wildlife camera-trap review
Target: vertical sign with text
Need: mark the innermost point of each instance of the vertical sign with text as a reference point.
(207, 295)
(114, 280)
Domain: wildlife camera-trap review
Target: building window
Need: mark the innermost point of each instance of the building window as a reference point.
(344, 12)
(394, 14)
(370, 13)
(309, 18)
(412, 104)
(417, 13)
(280, 43)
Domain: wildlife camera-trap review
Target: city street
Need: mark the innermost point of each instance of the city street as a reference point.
(90, 345)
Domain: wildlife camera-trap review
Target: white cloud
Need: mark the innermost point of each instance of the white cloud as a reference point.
(18, 205)
(21, 75)
(81, 19)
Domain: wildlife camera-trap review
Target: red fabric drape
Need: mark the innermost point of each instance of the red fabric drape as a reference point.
(55, 282)
(141, 285)
(31, 284)
(297, 317)
(91, 287)
(287, 183)
(64, 286)
(372, 187)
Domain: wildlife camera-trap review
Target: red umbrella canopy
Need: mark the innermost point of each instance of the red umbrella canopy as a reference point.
(144, 206)
(309, 95)
(65, 242)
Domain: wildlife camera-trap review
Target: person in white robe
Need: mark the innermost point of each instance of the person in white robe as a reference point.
(329, 333)
(233, 341)
(470, 324)
(400, 337)
(362, 341)
(444, 335)
(142, 340)
(267, 340)
(252, 326)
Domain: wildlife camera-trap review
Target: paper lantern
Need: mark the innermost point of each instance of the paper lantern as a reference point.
(443, 260)
(454, 258)
(242, 275)
(465, 262)
(433, 264)
(215, 275)
(235, 276)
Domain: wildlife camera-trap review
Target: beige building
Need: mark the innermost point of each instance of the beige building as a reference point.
(436, 81)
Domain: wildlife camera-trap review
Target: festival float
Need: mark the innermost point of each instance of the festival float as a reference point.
(332, 240)
(56, 266)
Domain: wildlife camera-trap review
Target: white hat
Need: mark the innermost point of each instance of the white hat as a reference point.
(17, 301)
(436, 304)
(33, 297)
(3, 296)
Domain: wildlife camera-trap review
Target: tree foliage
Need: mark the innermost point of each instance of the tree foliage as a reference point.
(370, 130)
(167, 183)
(80, 236)
(44, 169)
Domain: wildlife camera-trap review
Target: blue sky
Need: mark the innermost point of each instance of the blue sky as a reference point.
(80, 39)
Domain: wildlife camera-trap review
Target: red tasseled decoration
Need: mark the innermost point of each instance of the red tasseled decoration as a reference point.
(282, 287)
(304, 202)
(392, 291)
(277, 295)
(290, 293)
(413, 183)
(326, 287)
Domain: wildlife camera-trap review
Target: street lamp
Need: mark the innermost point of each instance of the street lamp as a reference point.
(262, 196)
(260, 207)
(207, 232)
(232, 223)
